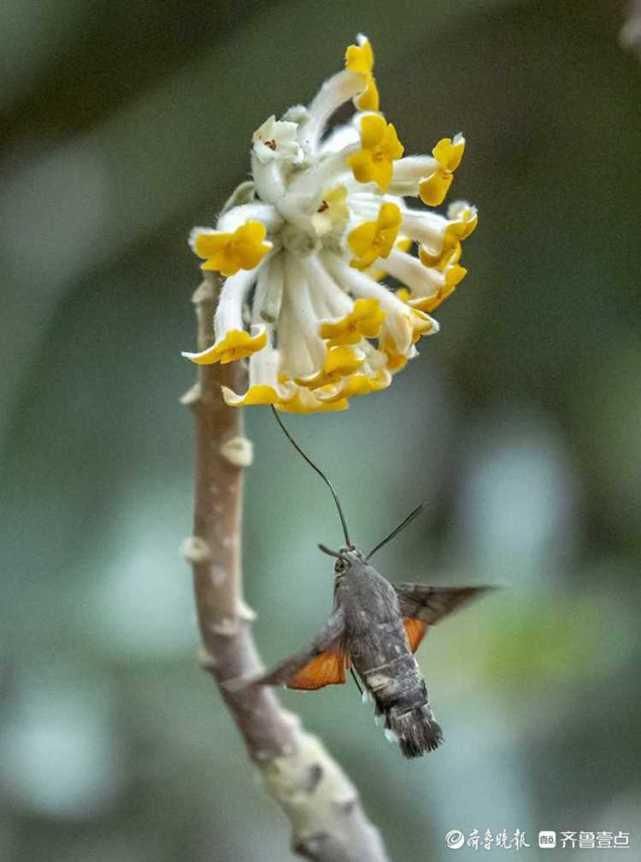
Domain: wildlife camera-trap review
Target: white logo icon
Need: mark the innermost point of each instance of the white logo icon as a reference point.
(547, 839)
(454, 839)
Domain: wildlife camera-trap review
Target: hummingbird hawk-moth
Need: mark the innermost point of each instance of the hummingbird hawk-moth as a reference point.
(373, 631)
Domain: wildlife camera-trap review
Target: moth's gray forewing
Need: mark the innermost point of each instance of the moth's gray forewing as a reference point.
(430, 604)
(331, 635)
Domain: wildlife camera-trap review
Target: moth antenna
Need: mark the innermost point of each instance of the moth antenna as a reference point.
(397, 530)
(348, 541)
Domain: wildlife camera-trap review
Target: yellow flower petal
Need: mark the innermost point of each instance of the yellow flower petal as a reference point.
(395, 361)
(364, 384)
(361, 240)
(422, 324)
(369, 99)
(423, 303)
(450, 254)
(361, 164)
(462, 226)
(237, 344)
(363, 321)
(208, 244)
(360, 58)
(340, 361)
(229, 252)
(380, 148)
(448, 153)
(393, 147)
(305, 401)
(343, 360)
(355, 385)
(453, 276)
(375, 239)
(372, 131)
(259, 394)
(433, 189)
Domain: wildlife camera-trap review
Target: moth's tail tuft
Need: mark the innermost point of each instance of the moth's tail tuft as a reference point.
(416, 731)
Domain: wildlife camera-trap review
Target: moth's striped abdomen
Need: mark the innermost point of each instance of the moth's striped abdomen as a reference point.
(400, 695)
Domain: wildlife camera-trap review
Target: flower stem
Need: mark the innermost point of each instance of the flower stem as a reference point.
(323, 806)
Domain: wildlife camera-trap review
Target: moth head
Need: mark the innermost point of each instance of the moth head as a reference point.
(345, 557)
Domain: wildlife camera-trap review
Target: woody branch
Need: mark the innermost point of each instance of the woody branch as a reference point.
(323, 806)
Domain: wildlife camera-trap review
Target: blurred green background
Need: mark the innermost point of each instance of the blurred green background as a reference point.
(125, 123)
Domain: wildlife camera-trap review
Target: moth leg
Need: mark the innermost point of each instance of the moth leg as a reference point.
(355, 678)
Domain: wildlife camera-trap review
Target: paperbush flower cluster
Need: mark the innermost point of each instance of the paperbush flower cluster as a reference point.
(305, 260)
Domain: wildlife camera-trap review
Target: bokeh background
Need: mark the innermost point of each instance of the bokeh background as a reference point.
(125, 123)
